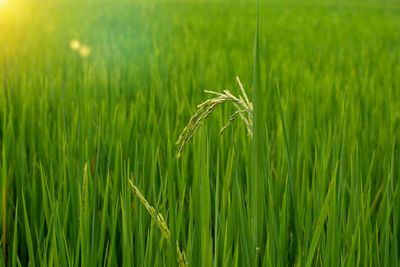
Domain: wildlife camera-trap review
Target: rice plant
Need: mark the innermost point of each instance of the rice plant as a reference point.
(244, 109)
(93, 94)
(161, 224)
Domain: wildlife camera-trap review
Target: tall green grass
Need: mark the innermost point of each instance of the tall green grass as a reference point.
(317, 185)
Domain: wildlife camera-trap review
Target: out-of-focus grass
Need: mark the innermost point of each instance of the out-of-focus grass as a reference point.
(336, 123)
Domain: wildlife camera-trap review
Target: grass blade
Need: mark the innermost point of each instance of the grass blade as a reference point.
(321, 221)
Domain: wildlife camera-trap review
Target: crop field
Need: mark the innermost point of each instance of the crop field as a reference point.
(111, 149)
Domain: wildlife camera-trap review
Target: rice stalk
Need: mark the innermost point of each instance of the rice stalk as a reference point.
(162, 225)
(4, 223)
(84, 187)
(244, 108)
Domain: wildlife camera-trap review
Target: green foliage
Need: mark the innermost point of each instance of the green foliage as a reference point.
(318, 184)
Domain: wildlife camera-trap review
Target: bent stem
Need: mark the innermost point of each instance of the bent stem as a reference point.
(162, 225)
